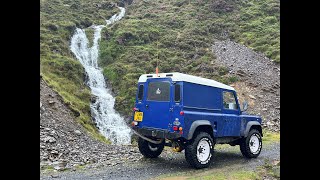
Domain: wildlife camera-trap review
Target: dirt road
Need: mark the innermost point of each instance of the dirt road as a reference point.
(170, 163)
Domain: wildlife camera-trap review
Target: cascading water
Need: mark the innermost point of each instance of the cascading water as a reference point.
(109, 122)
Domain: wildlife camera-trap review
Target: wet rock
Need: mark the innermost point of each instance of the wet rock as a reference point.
(93, 99)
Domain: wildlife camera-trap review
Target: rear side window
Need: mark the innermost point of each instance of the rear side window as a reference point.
(140, 92)
(177, 93)
(159, 91)
(229, 101)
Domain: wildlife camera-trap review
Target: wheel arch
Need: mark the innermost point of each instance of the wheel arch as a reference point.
(252, 125)
(200, 125)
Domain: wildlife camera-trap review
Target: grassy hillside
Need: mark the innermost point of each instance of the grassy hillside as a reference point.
(179, 33)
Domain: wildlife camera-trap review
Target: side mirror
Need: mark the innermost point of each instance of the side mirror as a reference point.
(244, 106)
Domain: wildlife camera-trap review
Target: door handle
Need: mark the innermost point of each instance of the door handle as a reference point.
(147, 106)
(171, 109)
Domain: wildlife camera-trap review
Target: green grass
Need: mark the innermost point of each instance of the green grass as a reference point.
(239, 175)
(214, 174)
(270, 137)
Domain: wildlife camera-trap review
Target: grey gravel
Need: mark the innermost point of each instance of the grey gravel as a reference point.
(173, 163)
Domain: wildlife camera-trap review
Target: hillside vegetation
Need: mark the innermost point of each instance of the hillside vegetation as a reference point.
(178, 33)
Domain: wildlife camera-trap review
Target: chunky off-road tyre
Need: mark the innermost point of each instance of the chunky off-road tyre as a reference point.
(199, 151)
(148, 149)
(251, 146)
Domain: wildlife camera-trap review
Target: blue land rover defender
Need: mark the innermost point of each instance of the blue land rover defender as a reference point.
(193, 114)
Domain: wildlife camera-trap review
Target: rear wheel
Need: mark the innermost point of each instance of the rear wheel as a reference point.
(199, 152)
(251, 145)
(148, 149)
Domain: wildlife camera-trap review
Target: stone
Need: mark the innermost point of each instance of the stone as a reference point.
(251, 96)
(51, 102)
(55, 176)
(276, 163)
(49, 139)
(53, 132)
(55, 152)
(58, 168)
(77, 132)
(270, 124)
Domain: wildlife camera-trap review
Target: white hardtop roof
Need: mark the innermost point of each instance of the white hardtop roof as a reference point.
(175, 76)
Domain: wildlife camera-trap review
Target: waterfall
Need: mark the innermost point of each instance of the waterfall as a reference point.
(109, 122)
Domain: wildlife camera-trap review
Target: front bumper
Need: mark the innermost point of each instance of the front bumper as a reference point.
(157, 133)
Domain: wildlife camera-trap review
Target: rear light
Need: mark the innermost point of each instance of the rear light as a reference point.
(181, 113)
(134, 123)
(180, 128)
(135, 109)
(175, 128)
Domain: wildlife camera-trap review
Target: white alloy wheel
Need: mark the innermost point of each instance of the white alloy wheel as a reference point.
(203, 150)
(254, 144)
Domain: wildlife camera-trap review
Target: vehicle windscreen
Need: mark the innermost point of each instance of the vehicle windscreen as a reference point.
(159, 91)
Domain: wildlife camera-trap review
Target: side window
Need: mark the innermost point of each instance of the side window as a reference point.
(229, 101)
(140, 92)
(177, 93)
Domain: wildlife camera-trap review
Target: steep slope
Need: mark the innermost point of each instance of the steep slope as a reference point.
(59, 67)
(180, 34)
(65, 144)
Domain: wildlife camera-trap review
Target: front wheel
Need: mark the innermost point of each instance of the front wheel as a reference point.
(199, 152)
(251, 145)
(148, 149)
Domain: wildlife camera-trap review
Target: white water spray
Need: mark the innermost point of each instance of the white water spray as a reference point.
(109, 122)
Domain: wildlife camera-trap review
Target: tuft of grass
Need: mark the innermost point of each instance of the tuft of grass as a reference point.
(270, 137)
(215, 175)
